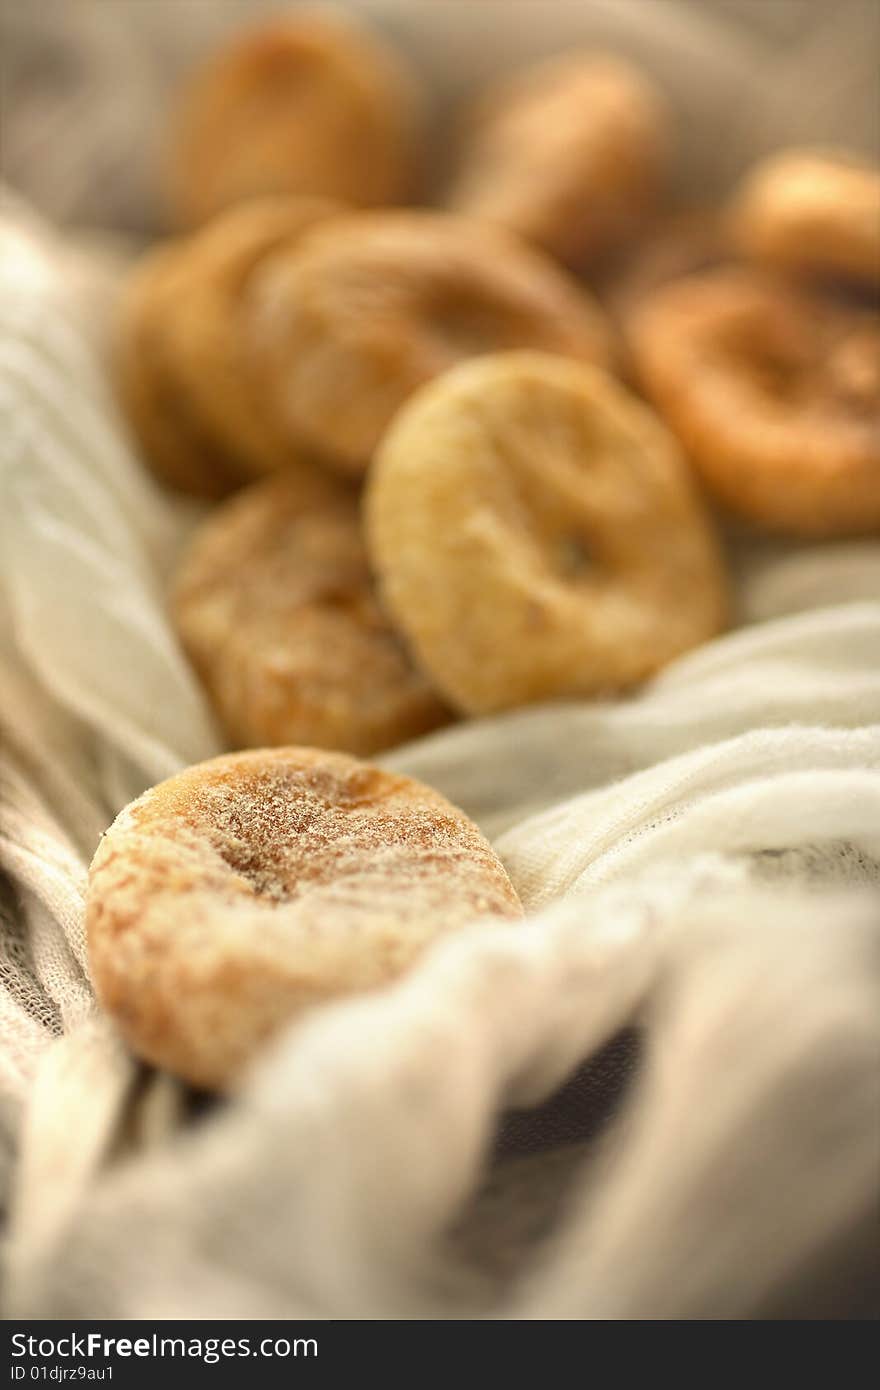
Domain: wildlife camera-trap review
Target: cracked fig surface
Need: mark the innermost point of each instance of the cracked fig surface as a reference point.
(234, 897)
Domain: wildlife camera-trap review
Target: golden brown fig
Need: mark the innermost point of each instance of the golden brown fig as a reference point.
(184, 379)
(308, 104)
(774, 395)
(811, 212)
(536, 534)
(236, 897)
(275, 605)
(366, 308)
(176, 443)
(206, 346)
(570, 153)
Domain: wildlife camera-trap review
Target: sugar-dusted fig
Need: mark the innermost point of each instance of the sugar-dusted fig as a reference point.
(241, 894)
(536, 534)
(275, 605)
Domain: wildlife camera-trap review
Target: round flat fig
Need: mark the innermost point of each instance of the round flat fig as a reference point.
(536, 534)
(774, 395)
(239, 895)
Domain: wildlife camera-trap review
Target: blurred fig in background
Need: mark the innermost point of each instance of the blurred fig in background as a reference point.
(774, 394)
(811, 212)
(183, 378)
(571, 153)
(308, 104)
(348, 323)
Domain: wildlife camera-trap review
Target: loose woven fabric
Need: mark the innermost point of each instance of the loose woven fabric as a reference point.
(700, 866)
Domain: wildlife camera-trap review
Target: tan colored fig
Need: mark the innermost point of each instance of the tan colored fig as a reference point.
(536, 534)
(241, 894)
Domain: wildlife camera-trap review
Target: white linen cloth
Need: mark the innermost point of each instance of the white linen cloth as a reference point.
(700, 862)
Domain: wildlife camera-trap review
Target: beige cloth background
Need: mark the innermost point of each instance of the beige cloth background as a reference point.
(700, 862)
